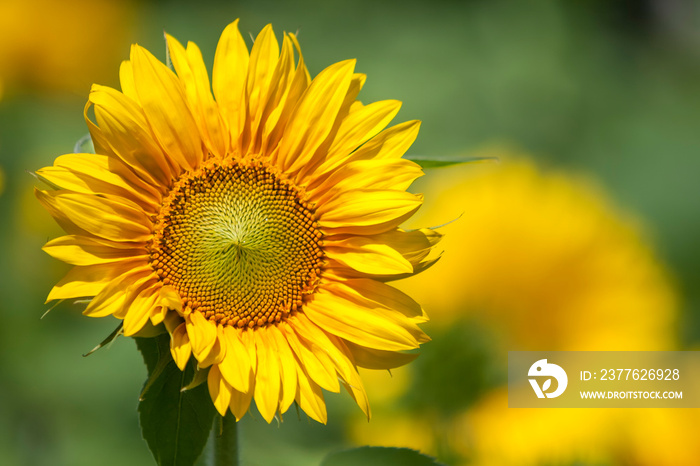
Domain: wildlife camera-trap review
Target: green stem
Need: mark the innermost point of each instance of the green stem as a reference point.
(226, 441)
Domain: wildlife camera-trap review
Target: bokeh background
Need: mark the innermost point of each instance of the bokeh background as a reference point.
(584, 236)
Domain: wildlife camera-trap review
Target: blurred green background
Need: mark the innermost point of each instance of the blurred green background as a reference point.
(593, 108)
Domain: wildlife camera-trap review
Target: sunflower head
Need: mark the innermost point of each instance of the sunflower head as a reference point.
(255, 217)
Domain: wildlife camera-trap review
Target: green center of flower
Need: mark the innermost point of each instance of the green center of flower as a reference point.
(239, 244)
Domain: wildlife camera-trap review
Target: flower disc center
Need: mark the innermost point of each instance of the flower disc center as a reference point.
(239, 244)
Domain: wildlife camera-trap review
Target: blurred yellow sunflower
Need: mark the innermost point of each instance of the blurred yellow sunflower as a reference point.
(259, 223)
(60, 46)
(544, 259)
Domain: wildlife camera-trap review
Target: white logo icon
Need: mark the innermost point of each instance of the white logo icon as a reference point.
(543, 369)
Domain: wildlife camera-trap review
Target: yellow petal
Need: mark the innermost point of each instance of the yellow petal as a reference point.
(338, 358)
(279, 116)
(380, 299)
(99, 140)
(126, 79)
(170, 298)
(167, 309)
(352, 381)
(365, 255)
(180, 347)
(366, 210)
(235, 367)
(378, 359)
(272, 101)
(310, 398)
(358, 393)
(261, 69)
(172, 319)
(81, 250)
(192, 72)
(240, 401)
(391, 143)
(101, 216)
(219, 390)
(361, 124)
(288, 368)
(315, 363)
(361, 325)
(249, 344)
(100, 174)
(414, 245)
(158, 314)
(267, 381)
(202, 333)
(89, 280)
(124, 127)
(111, 298)
(67, 225)
(380, 293)
(110, 304)
(217, 352)
(229, 77)
(163, 101)
(308, 172)
(394, 174)
(314, 116)
(121, 174)
(139, 307)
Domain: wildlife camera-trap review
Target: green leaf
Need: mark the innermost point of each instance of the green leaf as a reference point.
(435, 163)
(378, 456)
(174, 423)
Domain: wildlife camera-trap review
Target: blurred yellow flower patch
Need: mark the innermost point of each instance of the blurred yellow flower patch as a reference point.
(61, 46)
(544, 259)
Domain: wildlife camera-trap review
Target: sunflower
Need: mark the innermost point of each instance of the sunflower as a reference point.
(546, 260)
(258, 224)
(540, 259)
